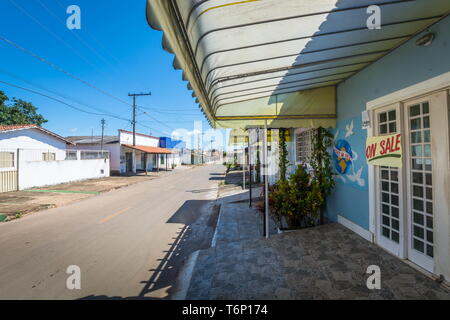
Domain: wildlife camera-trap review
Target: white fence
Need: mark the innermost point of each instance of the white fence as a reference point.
(27, 168)
(8, 170)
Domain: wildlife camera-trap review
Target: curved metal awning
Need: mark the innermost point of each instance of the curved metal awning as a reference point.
(280, 60)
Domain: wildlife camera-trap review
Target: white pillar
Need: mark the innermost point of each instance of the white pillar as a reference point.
(266, 180)
(243, 169)
(134, 161)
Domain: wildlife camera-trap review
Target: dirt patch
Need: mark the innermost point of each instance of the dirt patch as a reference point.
(16, 204)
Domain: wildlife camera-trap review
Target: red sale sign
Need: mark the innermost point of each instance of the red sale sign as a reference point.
(385, 150)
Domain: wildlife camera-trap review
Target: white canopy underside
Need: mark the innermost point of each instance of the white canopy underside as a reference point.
(280, 60)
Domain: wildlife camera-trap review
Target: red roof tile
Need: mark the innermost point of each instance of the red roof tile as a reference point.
(16, 127)
(147, 149)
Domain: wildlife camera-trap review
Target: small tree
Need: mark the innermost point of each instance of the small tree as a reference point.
(322, 174)
(19, 112)
(283, 160)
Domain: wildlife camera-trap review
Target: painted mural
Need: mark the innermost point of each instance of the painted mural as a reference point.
(348, 170)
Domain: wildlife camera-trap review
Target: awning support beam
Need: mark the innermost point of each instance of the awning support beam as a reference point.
(277, 86)
(266, 183)
(217, 81)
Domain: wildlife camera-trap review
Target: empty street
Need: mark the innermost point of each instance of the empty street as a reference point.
(128, 243)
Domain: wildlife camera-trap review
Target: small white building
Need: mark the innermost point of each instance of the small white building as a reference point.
(31, 156)
(145, 155)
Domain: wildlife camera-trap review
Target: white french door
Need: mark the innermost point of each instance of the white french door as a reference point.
(389, 186)
(404, 196)
(420, 183)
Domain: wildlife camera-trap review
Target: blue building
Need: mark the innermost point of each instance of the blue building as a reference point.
(372, 71)
(169, 143)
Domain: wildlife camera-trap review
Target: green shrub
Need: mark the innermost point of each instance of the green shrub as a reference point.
(301, 199)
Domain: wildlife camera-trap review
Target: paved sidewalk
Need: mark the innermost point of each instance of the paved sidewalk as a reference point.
(326, 262)
(237, 221)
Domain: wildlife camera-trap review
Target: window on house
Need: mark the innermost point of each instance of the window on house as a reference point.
(162, 159)
(48, 156)
(93, 155)
(71, 155)
(303, 142)
(6, 159)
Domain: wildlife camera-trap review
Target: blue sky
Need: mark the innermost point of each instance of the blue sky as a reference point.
(115, 50)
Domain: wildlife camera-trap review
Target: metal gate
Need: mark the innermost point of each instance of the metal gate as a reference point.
(8, 170)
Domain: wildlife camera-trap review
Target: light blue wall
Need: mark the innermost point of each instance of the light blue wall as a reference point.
(402, 68)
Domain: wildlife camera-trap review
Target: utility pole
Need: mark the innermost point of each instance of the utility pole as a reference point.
(203, 161)
(134, 95)
(212, 140)
(102, 122)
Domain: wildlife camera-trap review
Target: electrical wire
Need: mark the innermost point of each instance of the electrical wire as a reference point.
(64, 96)
(75, 34)
(51, 33)
(61, 101)
(62, 70)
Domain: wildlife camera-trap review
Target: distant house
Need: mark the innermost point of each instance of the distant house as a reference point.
(30, 136)
(180, 155)
(31, 156)
(145, 155)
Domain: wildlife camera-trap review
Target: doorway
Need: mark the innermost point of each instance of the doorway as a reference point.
(408, 200)
(129, 161)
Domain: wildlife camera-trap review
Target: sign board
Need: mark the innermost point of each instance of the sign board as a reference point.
(365, 119)
(384, 150)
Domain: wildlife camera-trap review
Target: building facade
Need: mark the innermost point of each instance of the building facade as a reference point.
(31, 156)
(145, 155)
(382, 91)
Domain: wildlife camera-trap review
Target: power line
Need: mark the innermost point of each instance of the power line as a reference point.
(93, 38)
(74, 33)
(50, 32)
(167, 110)
(160, 122)
(61, 101)
(79, 109)
(64, 96)
(61, 70)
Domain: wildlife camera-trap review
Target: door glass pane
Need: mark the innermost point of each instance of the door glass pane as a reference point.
(421, 188)
(416, 137)
(389, 193)
(415, 124)
(426, 136)
(414, 110)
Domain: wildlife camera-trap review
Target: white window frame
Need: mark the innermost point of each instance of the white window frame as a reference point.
(47, 154)
(297, 134)
(13, 161)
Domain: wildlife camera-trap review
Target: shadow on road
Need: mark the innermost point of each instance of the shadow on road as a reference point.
(199, 218)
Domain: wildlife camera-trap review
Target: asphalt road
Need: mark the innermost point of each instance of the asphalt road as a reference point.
(128, 243)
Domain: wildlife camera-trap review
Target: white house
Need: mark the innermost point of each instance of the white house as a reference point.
(145, 155)
(31, 156)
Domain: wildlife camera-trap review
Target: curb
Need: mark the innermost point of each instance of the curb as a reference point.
(185, 276)
(214, 238)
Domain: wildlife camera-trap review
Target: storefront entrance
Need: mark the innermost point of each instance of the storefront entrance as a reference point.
(410, 201)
